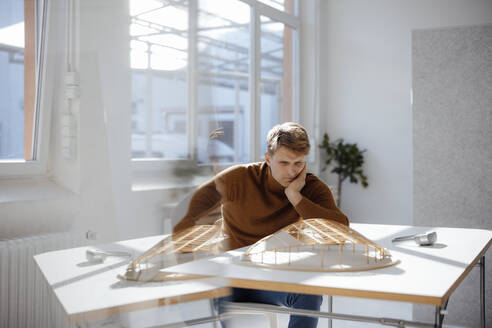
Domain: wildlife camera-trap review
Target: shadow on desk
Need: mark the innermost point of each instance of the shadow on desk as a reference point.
(123, 283)
(392, 270)
(90, 274)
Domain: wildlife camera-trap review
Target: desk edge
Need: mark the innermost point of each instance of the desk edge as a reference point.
(316, 290)
(108, 312)
(458, 281)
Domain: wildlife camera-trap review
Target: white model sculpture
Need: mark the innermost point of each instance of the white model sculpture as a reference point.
(317, 245)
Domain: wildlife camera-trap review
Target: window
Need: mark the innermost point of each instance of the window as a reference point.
(223, 39)
(159, 58)
(276, 75)
(210, 77)
(17, 80)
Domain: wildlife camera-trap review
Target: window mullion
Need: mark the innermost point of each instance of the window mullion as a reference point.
(29, 78)
(279, 16)
(254, 84)
(41, 123)
(148, 106)
(192, 80)
(296, 102)
(237, 117)
(273, 13)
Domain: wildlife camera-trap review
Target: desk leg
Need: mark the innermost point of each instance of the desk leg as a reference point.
(438, 318)
(440, 311)
(212, 312)
(482, 291)
(330, 310)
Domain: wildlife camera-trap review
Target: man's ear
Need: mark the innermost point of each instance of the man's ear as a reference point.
(267, 158)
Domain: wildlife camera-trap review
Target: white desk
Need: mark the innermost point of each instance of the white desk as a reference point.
(426, 275)
(92, 291)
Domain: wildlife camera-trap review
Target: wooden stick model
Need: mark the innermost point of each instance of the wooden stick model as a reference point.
(304, 245)
(312, 238)
(184, 246)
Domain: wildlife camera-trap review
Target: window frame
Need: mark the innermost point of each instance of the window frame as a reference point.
(38, 163)
(257, 9)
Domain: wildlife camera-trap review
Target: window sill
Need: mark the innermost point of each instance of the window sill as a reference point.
(30, 188)
(167, 183)
(171, 175)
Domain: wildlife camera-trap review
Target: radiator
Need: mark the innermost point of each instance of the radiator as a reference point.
(26, 300)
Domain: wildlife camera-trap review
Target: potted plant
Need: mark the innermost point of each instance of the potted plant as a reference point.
(347, 159)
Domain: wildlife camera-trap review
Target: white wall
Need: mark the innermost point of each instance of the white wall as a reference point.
(365, 89)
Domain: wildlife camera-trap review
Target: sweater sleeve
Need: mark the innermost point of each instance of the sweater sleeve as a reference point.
(208, 196)
(205, 199)
(317, 202)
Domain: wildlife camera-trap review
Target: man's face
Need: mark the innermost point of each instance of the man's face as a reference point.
(285, 165)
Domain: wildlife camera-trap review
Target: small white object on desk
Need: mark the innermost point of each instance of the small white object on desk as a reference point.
(98, 256)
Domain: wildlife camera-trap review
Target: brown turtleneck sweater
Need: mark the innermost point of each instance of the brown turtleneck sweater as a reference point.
(254, 204)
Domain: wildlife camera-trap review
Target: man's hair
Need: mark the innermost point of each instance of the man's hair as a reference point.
(289, 135)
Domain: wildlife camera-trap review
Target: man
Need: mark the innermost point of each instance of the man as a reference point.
(259, 199)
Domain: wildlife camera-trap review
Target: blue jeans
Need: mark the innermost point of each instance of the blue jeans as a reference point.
(296, 301)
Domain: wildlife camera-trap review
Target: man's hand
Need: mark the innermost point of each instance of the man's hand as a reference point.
(293, 190)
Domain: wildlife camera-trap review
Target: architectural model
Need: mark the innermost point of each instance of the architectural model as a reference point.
(187, 245)
(317, 245)
(307, 245)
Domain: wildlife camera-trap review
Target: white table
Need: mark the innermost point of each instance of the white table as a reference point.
(426, 275)
(89, 292)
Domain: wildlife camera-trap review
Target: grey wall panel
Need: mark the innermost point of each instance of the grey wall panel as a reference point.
(452, 146)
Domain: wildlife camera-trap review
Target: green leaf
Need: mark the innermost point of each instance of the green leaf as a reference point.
(346, 158)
